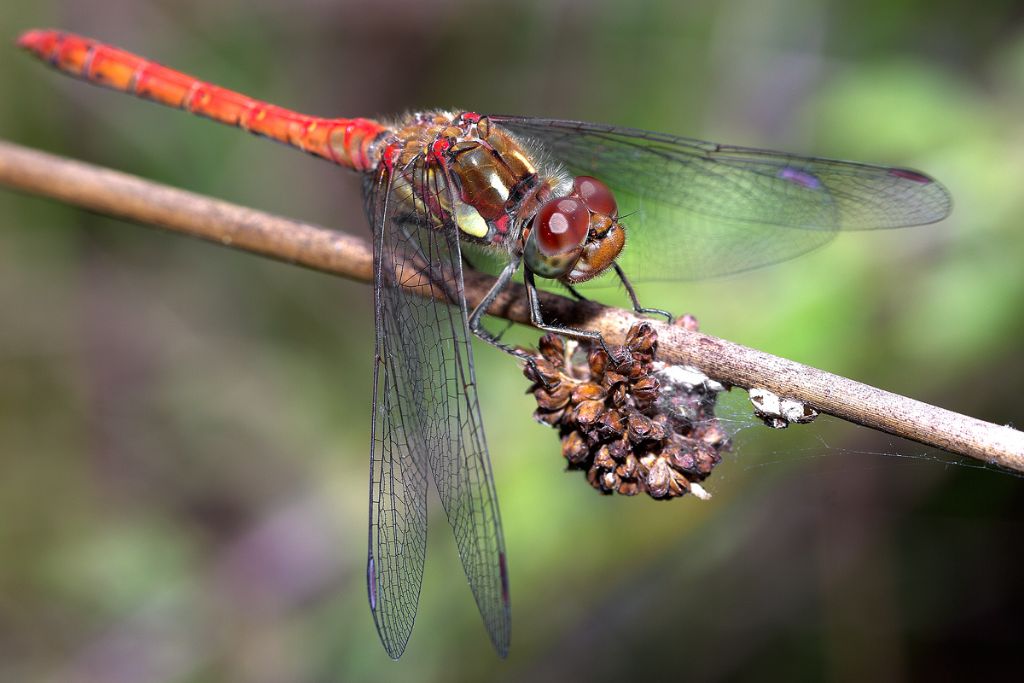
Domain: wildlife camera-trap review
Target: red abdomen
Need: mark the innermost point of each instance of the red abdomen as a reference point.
(348, 142)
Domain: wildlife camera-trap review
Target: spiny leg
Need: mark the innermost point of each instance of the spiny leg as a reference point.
(636, 302)
(468, 263)
(505, 328)
(477, 328)
(537, 317)
(476, 317)
(575, 294)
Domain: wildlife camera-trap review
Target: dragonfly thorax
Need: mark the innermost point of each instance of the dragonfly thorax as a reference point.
(463, 168)
(459, 167)
(495, 182)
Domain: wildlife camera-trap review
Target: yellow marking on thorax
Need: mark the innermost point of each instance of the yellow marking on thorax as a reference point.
(470, 221)
(523, 160)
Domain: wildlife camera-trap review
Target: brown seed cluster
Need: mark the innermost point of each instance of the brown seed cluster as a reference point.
(634, 424)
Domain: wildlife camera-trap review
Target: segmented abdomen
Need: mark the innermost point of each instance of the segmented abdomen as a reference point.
(347, 142)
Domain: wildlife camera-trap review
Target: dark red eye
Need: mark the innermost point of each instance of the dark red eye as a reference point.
(561, 225)
(594, 194)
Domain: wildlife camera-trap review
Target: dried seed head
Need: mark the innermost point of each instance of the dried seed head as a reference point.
(588, 412)
(645, 463)
(610, 425)
(676, 485)
(620, 358)
(575, 448)
(604, 459)
(638, 427)
(554, 398)
(645, 391)
(588, 392)
(621, 450)
(619, 396)
(659, 430)
(610, 481)
(630, 466)
(629, 488)
(597, 360)
(658, 478)
(551, 418)
(642, 342)
(613, 379)
(552, 349)
(631, 422)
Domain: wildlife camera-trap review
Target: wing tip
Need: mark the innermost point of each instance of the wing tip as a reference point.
(943, 199)
(395, 647)
(501, 637)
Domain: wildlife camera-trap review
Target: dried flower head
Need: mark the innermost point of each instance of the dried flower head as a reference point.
(633, 423)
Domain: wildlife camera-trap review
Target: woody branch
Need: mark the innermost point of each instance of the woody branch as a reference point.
(142, 201)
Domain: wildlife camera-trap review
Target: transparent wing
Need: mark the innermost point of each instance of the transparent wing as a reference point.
(398, 462)
(697, 209)
(426, 416)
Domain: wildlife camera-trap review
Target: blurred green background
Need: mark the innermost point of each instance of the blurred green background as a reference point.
(184, 429)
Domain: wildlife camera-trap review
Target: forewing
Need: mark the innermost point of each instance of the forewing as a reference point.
(696, 209)
(428, 342)
(398, 460)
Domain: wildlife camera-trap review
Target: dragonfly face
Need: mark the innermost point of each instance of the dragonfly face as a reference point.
(577, 237)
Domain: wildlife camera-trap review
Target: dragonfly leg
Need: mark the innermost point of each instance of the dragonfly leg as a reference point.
(575, 294)
(476, 327)
(636, 302)
(467, 262)
(537, 317)
(476, 317)
(505, 328)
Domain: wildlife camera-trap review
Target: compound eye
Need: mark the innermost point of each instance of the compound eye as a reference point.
(561, 225)
(594, 194)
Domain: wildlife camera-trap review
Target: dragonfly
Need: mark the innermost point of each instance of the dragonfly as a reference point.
(564, 201)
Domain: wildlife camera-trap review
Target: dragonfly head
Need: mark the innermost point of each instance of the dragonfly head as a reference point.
(575, 238)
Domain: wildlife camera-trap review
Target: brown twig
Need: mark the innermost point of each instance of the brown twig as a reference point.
(138, 200)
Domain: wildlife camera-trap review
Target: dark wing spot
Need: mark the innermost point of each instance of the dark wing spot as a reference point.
(907, 174)
(798, 177)
(371, 584)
